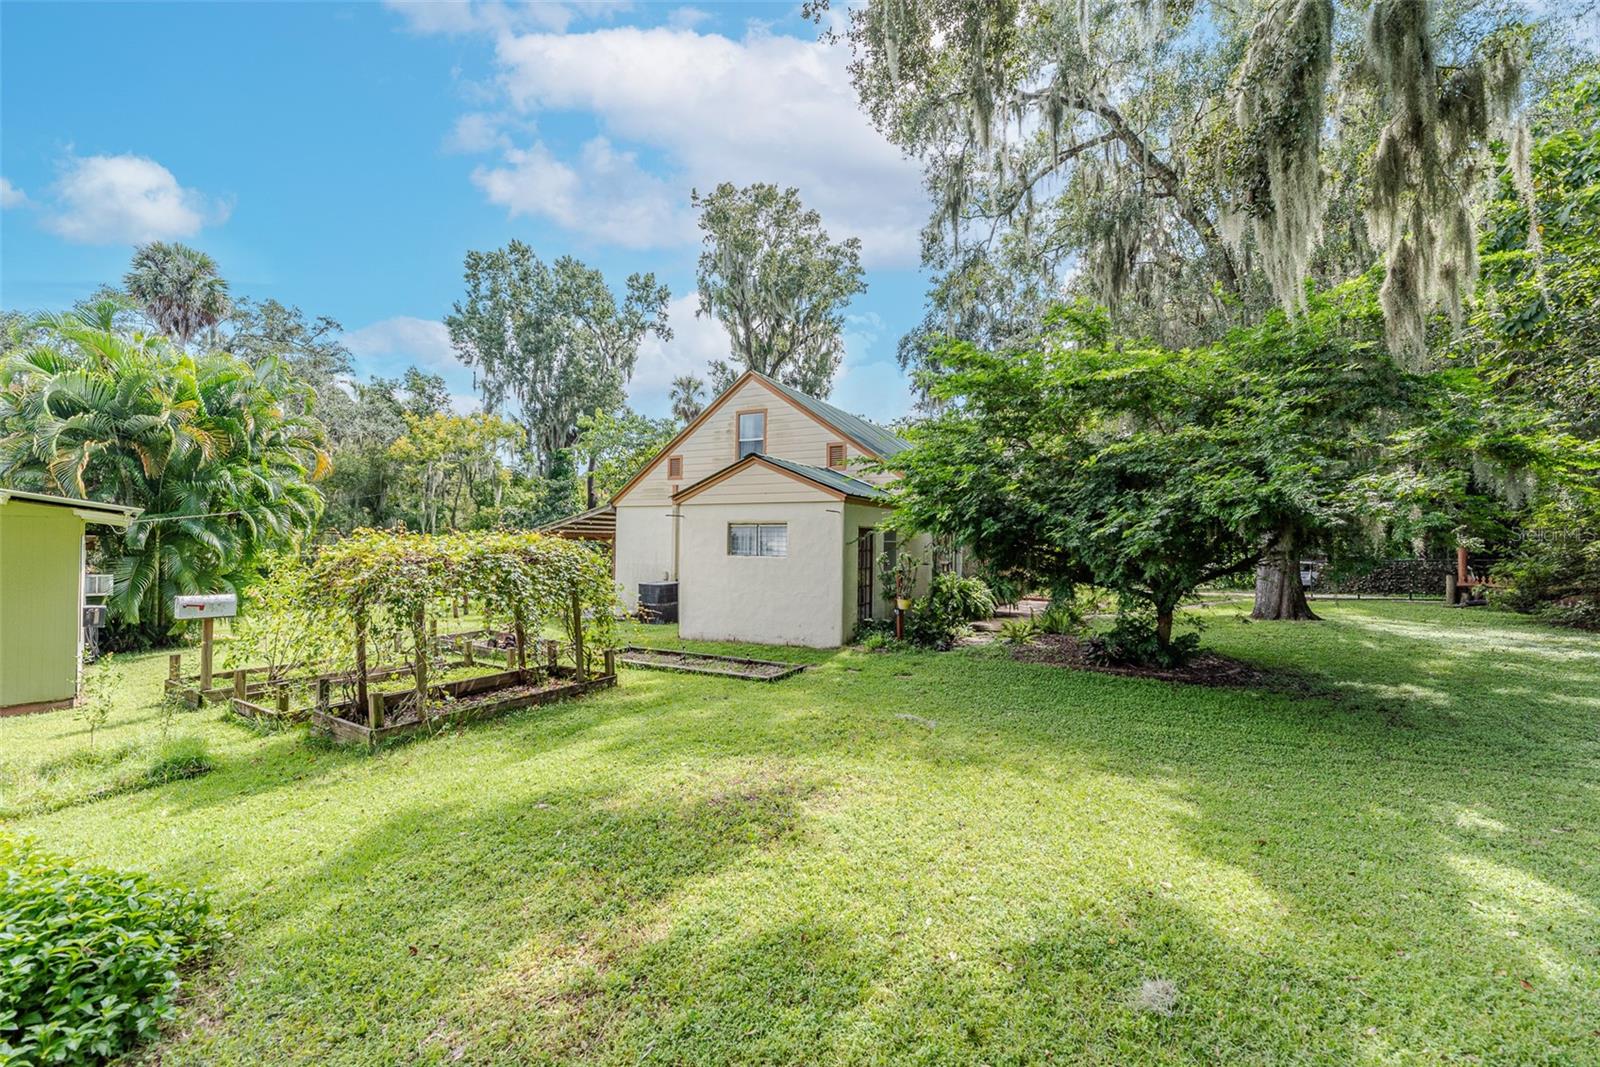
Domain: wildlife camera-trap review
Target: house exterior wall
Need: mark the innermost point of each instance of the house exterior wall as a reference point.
(792, 434)
(643, 549)
(786, 600)
(41, 576)
(857, 516)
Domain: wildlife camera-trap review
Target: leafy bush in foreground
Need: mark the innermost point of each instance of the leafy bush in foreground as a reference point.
(949, 604)
(89, 956)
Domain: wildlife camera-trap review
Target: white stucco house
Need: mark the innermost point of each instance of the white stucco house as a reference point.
(760, 511)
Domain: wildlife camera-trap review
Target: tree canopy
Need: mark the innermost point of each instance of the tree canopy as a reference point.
(548, 342)
(778, 284)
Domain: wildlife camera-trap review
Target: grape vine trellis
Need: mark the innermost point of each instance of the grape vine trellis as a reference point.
(387, 584)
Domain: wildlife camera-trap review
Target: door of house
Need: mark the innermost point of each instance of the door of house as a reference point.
(864, 562)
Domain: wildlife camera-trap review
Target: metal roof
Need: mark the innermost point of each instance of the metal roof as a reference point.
(884, 442)
(596, 524)
(828, 479)
(833, 479)
(110, 514)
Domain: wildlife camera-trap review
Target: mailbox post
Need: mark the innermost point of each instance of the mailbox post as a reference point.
(208, 608)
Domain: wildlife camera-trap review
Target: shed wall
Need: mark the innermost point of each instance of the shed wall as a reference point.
(41, 560)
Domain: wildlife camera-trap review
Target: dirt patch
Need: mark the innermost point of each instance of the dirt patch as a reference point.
(1206, 668)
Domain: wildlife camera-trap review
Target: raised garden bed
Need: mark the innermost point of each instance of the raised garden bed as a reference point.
(225, 684)
(466, 700)
(754, 670)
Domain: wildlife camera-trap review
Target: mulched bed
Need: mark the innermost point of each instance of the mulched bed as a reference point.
(761, 670)
(403, 714)
(1207, 668)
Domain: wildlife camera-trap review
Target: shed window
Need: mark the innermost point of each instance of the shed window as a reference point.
(752, 432)
(836, 455)
(752, 539)
(674, 467)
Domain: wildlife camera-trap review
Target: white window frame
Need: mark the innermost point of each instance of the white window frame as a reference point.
(760, 529)
(738, 430)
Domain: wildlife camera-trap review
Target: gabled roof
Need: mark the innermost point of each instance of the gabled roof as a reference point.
(876, 439)
(868, 436)
(833, 482)
(119, 515)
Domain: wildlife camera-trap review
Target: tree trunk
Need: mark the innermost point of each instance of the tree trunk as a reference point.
(1279, 594)
(1164, 627)
(590, 496)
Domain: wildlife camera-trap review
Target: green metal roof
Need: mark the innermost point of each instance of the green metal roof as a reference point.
(884, 442)
(113, 514)
(831, 478)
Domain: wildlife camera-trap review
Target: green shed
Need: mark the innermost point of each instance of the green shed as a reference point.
(42, 595)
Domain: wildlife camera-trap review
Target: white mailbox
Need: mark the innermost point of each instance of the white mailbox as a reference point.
(205, 606)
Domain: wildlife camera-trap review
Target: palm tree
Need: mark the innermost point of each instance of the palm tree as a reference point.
(202, 443)
(688, 397)
(179, 288)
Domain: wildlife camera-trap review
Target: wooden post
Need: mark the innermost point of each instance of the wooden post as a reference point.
(174, 666)
(466, 651)
(419, 669)
(208, 629)
(361, 659)
(551, 649)
(433, 634)
(374, 709)
(1461, 566)
(1451, 590)
(240, 678)
(322, 695)
(577, 636)
(611, 663)
(521, 630)
(283, 699)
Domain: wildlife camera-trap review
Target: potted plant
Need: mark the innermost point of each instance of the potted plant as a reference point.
(899, 574)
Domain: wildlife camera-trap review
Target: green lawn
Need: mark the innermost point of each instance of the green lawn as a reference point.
(910, 858)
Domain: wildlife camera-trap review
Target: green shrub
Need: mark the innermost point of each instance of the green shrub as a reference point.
(1132, 642)
(1061, 617)
(949, 605)
(1558, 581)
(89, 957)
(1019, 631)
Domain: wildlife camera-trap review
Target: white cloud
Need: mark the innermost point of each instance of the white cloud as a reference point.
(127, 199)
(404, 339)
(687, 18)
(497, 16)
(11, 195)
(474, 132)
(763, 108)
(695, 342)
(604, 193)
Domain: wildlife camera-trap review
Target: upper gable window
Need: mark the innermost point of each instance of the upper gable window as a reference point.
(674, 468)
(836, 455)
(752, 432)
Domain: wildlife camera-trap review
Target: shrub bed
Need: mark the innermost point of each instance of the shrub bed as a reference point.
(89, 956)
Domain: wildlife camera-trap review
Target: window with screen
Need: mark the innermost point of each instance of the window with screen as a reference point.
(674, 467)
(836, 455)
(758, 539)
(752, 432)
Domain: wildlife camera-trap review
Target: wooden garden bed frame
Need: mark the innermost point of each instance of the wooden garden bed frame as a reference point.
(630, 653)
(227, 684)
(326, 717)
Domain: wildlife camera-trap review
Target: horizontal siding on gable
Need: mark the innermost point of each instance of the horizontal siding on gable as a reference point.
(792, 434)
(757, 484)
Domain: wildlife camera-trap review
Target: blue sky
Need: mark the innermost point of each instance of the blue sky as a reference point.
(344, 157)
